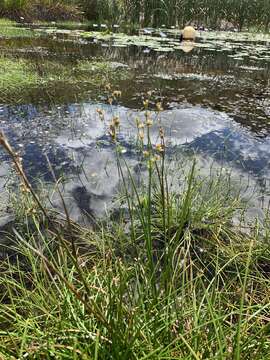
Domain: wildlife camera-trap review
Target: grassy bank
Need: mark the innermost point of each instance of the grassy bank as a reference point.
(169, 277)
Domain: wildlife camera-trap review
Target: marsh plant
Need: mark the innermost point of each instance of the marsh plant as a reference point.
(181, 12)
(29, 10)
(239, 13)
(20, 75)
(169, 277)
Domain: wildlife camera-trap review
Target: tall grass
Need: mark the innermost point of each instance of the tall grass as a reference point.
(170, 278)
(238, 13)
(235, 13)
(46, 10)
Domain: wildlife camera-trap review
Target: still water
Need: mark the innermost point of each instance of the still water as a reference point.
(215, 98)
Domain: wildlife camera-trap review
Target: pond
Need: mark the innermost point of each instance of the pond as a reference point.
(215, 97)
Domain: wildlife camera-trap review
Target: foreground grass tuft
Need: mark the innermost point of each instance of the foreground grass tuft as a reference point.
(170, 277)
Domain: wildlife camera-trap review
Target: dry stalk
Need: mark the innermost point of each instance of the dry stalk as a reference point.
(89, 303)
(17, 161)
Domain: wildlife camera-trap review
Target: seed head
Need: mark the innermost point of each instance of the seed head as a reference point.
(149, 122)
(101, 114)
(146, 154)
(112, 131)
(160, 148)
(117, 93)
(161, 133)
(159, 106)
(141, 135)
(116, 121)
(146, 104)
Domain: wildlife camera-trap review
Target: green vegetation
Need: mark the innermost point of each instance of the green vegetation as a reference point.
(237, 13)
(28, 10)
(180, 12)
(7, 22)
(223, 41)
(9, 29)
(174, 271)
(18, 74)
(170, 278)
(15, 75)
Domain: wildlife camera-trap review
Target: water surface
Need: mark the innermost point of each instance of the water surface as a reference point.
(216, 101)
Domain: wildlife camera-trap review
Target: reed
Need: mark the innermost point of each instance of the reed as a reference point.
(228, 13)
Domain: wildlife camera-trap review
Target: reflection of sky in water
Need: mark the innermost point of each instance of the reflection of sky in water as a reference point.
(237, 148)
(78, 147)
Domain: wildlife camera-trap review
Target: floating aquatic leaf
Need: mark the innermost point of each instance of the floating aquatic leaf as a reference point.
(163, 49)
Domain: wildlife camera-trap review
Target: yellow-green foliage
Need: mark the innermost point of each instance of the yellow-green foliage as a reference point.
(6, 22)
(237, 13)
(15, 74)
(13, 4)
(9, 29)
(21, 74)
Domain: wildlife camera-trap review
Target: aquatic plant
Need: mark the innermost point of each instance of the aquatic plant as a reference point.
(169, 277)
(47, 10)
(15, 75)
(8, 29)
(234, 13)
(18, 74)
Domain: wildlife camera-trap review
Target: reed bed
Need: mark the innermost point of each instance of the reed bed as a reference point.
(215, 14)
